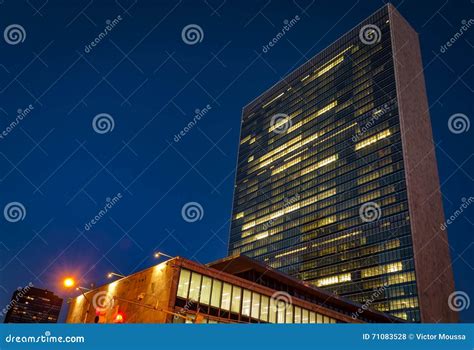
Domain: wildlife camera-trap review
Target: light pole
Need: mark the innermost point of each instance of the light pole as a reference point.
(111, 274)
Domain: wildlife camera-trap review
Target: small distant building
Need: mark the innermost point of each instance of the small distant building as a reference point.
(232, 290)
(33, 305)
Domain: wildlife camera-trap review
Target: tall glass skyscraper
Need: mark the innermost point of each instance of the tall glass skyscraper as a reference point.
(337, 182)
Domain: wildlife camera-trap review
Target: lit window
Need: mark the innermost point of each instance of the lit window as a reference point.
(226, 290)
(246, 301)
(333, 279)
(255, 305)
(236, 291)
(194, 288)
(264, 308)
(216, 293)
(183, 284)
(372, 139)
(205, 290)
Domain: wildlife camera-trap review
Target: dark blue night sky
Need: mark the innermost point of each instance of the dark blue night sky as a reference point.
(151, 83)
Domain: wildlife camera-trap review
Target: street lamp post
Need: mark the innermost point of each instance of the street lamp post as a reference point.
(160, 254)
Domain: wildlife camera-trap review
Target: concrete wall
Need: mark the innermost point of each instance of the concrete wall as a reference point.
(430, 244)
(139, 297)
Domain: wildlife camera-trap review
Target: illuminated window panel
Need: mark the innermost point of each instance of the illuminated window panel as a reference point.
(290, 252)
(373, 139)
(333, 280)
(250, 159)
(273, 99)
(239, 215)
(380, 270)
(245, 139)
(286, 166)
(319, 164)
(286, 210)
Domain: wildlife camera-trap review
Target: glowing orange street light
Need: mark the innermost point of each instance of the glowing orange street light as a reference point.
(69, 282)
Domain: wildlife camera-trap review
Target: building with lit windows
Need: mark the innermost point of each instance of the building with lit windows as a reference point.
(337, 181)
(232, 290)
(33, 305)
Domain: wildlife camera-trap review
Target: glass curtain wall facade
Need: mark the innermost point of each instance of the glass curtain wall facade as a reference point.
(320, 187)
(228, 301)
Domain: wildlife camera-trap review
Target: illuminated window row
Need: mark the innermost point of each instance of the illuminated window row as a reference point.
(373, 139)
(288, 209)
(228, 297)
(273, 99)
(380, 270)
(333, 280)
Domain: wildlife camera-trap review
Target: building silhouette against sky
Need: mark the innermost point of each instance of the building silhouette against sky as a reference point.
(337, 181)
(33, 305)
